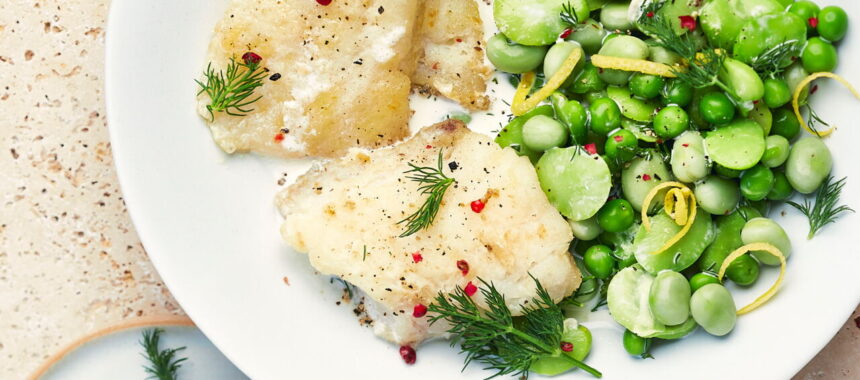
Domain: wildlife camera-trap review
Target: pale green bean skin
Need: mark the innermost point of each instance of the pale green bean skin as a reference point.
(642, 175)
(670, 298)
(717, 195)
(614, 17)
(689, 163)
(763, 230)
(556, 56)
(776, 151)
(513, 58)
(541, 133)
(793, 75)
(808, 164)
(590, 35)
(622, 46)
(585, 230)
(665, 56)
(713, 308)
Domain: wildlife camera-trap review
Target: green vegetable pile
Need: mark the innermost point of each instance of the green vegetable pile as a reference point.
(718, 127)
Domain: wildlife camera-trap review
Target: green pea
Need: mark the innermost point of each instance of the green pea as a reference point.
(763, 230)
(785, 124)
(805, 9)
(614, 17)
(701, 279)
(605, 116)
(782, 189)
(808, 164)
(776, 93)
(756, 182)
(717, 196)
(689, 162)
(599, 262)
(713, 308)
(743, 271)
(671, 122)
(819, 55)
(590, 35)
(645, 86)
(636, 345)
(669, 298)
(622, 145)
(587, 80)
(573, 115)
(585, 230)
(717, 108)
(541, 133)
(677, 92)
(616, 215)
(832, 23)
(776, 151)
(555, 57)
(512, 57)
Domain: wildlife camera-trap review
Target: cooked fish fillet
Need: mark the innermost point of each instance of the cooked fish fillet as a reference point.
(344, 75)
(452, 62)
(344, 214)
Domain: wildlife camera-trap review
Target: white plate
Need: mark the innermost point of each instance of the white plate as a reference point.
(119, 356)
(209, 226)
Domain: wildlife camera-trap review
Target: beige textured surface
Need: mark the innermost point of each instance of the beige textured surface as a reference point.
(70, 261)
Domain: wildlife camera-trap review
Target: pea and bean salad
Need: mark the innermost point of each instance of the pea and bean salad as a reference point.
(664, 131)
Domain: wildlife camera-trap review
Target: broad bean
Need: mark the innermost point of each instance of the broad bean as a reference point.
(763, 230)
(808, 164)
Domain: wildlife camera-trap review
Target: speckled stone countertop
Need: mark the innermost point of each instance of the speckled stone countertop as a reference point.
(70, 261)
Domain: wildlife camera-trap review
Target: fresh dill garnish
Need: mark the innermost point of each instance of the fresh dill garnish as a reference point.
(568, 14)
(825, 209)
(490, 338)
(703, 67)
(813, 120)
(163, 364)
(769, 63)
(433, 183)
(231, 91)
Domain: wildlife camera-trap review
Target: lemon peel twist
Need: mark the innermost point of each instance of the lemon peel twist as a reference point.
(523, 103)
(795, 100)
(631, 64)
(762, 247)
(679, 204)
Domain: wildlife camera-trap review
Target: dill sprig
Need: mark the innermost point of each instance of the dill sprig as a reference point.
(490, 337)
(825, 209)
(703, 67)
(769, 63)
(231, 91)
(813, 119)
(163, 364)
(434, 183)
(568, 14)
